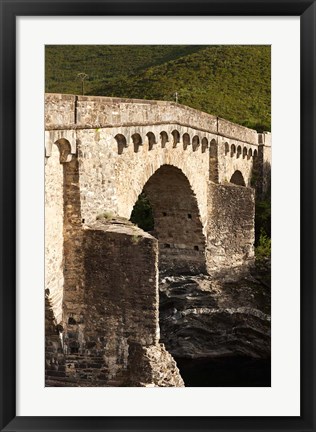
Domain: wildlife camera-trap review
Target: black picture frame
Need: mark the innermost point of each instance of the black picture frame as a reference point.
(9, 10)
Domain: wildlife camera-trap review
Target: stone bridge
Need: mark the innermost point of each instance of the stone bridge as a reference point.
(101, 154)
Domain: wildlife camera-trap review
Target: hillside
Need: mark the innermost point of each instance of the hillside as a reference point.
(229, 81)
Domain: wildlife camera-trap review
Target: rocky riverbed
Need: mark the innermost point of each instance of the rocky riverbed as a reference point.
(204, 320)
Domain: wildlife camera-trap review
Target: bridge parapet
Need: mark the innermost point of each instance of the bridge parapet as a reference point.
(236, 131)
(92, 112)
(59, 111)
(265, 139)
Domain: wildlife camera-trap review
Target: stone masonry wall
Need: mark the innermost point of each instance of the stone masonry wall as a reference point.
(234, 156)
(73, 301)
(231, 228)
(54, 218)
(110, 181)
(54, 354)
(121, 297)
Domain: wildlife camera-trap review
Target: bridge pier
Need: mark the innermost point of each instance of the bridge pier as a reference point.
(230, 236)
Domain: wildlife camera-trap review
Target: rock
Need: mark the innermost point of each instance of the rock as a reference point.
(152, 366)
(202, 317)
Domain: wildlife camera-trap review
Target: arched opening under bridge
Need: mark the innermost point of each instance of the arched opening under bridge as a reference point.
(167, 208)
(238, 179)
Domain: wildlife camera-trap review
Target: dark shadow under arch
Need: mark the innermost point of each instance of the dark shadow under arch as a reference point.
(164, 138)
(177, 224)
(137, 141)
(151, 140)
(232, 150)
(176, 137)
(195, 143)
(238, 179)
(121, 143)
(64, 148)
(213, 161)
(186, 140)
(204, 144)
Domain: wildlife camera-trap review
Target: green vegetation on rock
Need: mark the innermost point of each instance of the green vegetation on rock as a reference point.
(230, 81)
(263, 250)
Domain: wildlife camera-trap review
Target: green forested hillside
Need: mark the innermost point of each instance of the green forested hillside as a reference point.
(229, 81)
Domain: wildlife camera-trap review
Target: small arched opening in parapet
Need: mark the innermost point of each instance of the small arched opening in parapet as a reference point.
(238, 179)
(176, 137)
(121, 143)
(204, 144)
(213, 161)
(213, 149)
(185, 140)
(137, 141)
(64, 148)
(232, 150)
(163, 138)
(250, 154)
(151, 140)
(195, 143)
(238, 151)
(175, 221)
(244, 153)
(226, 148)
(255, 154)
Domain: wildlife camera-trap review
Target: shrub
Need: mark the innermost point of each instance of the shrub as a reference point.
(106, 215)
(263, 250)
(142, 214)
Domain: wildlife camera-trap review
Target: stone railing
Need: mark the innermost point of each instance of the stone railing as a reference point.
(87, 112)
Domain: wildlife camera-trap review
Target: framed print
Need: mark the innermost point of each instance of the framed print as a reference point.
(170, 133)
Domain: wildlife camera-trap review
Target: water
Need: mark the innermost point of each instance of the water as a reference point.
(225, 372)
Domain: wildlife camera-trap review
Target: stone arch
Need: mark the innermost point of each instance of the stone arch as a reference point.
(232, 150)
(244, 152)
(204, 144)
(195, 143)
(226, 148)
(132, 181)
(121, 143)
(137, 141)
(151, 140)
(237, 179)
(185, 140)
(64, 148)
(177, 221)
(163, 138)
(238, 151)
(249, 153)
(255, 154)
(176, 137)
